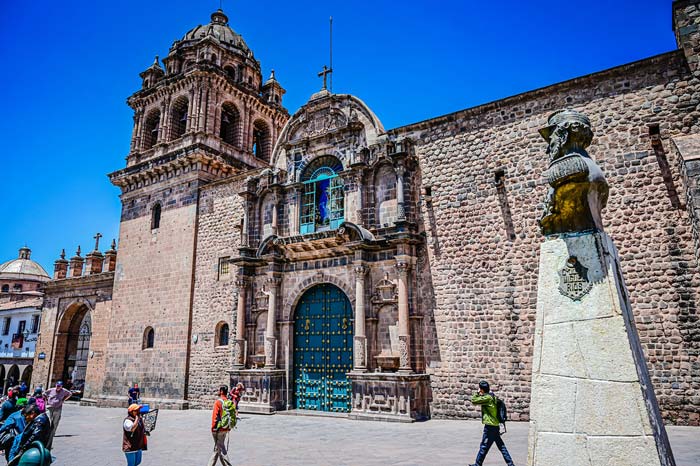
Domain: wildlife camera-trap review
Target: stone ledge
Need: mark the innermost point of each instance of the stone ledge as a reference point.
(110, 401)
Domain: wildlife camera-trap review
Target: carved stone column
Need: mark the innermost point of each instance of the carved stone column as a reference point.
(239, 346)
(275, 221)
(135, 131)
(270, 334)
(403, 265)
(294, 209)
(191, 105)
(400, 202)
(360, 349)
(246, 224)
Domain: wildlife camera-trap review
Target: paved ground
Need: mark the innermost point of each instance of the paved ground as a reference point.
(92, 437)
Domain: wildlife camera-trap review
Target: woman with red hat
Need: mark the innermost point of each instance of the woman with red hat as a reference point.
(134, 441)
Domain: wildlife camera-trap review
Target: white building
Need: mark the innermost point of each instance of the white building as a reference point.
(21, 299)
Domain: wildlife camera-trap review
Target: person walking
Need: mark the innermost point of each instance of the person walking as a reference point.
(489, 417)
(218, 431)
(237, 393)
(54, 405)
(134, 394)
(134, 441)
(38, 429)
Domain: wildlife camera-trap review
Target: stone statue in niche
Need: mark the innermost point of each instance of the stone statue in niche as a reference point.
(579, 191)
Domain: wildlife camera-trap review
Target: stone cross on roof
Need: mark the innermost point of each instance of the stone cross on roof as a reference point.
(326, 71)
(97, 241)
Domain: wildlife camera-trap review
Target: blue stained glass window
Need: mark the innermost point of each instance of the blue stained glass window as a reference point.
(323, 201)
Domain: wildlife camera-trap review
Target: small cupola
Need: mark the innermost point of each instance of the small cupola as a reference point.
(152, 74)
(272, 91)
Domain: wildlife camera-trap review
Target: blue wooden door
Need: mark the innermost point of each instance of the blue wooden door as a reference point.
(323, 350)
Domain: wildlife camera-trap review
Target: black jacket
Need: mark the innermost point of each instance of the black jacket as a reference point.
(39, 429)
(8, 407)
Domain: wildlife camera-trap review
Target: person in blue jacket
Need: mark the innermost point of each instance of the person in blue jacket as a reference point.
(16, 421)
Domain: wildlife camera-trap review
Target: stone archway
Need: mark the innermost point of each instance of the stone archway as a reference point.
(12, 377)
(70, 358)
(27, 375)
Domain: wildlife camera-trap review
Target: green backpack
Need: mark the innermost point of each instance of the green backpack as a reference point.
(228, 418)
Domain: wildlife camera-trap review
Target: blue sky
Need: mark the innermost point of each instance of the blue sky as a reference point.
(68, 68)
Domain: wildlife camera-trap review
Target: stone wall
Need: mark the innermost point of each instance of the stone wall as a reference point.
(152, 288)
(484, 277)
(214, 297)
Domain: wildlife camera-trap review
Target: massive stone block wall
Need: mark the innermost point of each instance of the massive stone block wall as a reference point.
(152, 288)
(483, 191)
(214, 299)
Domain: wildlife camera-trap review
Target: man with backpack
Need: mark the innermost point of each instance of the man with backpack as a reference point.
(223, 419)
(491, 419)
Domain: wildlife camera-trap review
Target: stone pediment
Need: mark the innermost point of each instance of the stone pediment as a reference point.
(319, 244)
(318, 123)
(337, 124)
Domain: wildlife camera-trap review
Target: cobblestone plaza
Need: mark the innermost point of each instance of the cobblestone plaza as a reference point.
(92, 437)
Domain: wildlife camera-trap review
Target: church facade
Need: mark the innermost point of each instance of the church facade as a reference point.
(331, 264)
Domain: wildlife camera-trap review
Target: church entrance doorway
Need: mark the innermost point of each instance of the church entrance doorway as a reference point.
(323, 333)
(72, 347)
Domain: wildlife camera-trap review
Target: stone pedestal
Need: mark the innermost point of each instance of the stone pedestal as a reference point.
(265, 391)
(387, 396)
(592, 399)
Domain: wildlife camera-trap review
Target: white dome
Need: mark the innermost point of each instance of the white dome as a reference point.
(23, 268)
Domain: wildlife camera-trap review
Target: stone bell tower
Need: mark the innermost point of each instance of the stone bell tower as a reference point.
(202, 115)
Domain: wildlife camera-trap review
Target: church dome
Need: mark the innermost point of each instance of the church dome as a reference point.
(23, 268)
(219, 29)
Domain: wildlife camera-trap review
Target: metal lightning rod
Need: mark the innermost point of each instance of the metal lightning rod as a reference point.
(331, 52)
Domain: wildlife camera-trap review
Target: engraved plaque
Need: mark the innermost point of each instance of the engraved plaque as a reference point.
(573, 280)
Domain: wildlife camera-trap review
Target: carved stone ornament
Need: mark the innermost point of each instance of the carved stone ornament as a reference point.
(573, 280)
(270, 351)
(262, 299)
(404, 358)
(238, 352)
(360, 352)
(578, 192)
(385, 291)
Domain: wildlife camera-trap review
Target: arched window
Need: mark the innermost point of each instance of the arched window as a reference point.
(150, 129)
(155, 216)
(149, 336)
(323, 200)
(261, 140)
(17, 288)
(179, 117)
(230, 121)
(5, 288)
(221, 337)
(213, 58)
(230, 72)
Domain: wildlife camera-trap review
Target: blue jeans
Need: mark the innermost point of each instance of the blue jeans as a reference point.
(133, 458)
(492, 434)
